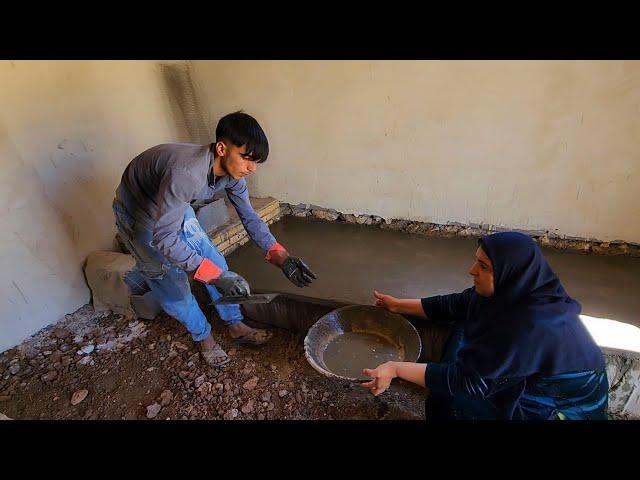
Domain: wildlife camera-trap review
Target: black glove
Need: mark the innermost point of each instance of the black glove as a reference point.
(297, 272)
(231, 284)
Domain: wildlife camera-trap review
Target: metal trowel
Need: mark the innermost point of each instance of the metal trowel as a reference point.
(255, 298)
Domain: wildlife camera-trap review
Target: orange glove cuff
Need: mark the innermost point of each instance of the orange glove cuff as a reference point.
(276, 254)
(207, 271)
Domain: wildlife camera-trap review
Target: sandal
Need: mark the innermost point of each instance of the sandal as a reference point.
(216, 357)
(254, 337)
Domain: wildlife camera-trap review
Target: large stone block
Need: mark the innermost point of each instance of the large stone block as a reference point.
(118, 287)
(105, 273)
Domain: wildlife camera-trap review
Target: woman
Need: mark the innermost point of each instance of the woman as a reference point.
(518, 350)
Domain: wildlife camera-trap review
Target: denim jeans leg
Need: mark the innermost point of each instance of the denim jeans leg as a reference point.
(197, 238)
(169, 285)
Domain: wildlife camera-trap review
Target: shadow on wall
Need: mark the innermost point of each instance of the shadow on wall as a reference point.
(187, 115)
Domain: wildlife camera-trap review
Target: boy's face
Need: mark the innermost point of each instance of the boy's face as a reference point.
(234, 160)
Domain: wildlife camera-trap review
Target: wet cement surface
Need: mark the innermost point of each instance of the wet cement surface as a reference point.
(351, 260)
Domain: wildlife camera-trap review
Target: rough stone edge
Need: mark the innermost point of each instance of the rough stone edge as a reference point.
(545, 238)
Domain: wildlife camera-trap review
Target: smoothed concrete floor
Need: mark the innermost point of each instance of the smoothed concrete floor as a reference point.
(351, 260)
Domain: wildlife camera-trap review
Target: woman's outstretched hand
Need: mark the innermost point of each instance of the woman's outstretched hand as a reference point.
(382, 376)
(386, 301)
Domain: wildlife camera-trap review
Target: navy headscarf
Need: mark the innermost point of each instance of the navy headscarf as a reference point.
(530, 325)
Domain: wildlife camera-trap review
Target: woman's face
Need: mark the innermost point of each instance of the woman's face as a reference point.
(482, 273)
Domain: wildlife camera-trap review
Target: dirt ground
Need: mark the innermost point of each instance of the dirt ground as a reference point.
(103, 366)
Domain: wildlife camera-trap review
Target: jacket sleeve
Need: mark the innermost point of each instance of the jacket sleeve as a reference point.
(175, 193)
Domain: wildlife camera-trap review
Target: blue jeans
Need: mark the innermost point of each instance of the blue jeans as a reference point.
(170, 284)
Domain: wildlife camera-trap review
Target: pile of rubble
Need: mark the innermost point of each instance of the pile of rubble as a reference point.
(100, 365)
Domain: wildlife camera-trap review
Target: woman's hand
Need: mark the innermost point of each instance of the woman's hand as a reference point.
(382, 376)
(386, 301)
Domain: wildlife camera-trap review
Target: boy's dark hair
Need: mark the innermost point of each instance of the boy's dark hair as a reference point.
(242, 129)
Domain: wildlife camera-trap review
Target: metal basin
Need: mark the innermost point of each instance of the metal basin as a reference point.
(389, 332)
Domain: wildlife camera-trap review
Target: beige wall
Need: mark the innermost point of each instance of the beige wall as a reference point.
(67, 130)
(519, 144)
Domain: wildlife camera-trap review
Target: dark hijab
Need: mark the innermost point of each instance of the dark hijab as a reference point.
(530, 325)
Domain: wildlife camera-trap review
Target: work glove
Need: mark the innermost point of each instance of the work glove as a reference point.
(293, 268)
(230, 284)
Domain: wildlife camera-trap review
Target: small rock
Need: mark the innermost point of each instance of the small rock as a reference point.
(152, 346)
(15, 368)
(247, 407)
(180, 345)
(260, 416)
(50, 375)
(205, 388)
(271, 406)
(282, 393)
(165, 397)
(4, 417)
(46, 353)
(85, 360)
(200, 380)
(330, 215)
(153, 410)
(55, 357)
(266, 396)
(78, 396)
(194, 358)
(60, 333)
(232, 351)
(87, 349)
(251, 383)
(231, 414)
